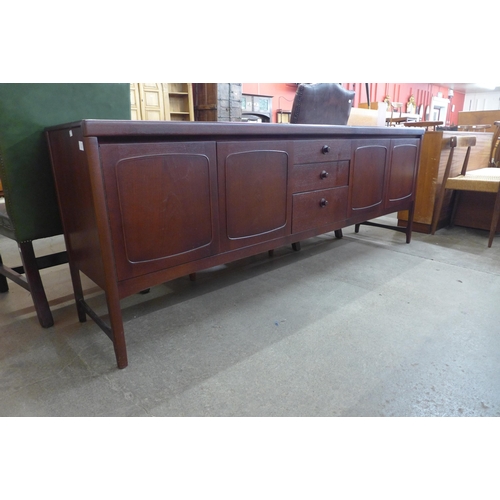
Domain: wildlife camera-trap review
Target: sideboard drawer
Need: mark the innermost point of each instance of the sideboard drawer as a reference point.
(321, 150)
(318, 208)
(320, 176)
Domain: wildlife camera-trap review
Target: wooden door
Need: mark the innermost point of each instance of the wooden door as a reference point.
(161, 203)
(205, 101)
(255, 202)
(135, 102)
(152, 101)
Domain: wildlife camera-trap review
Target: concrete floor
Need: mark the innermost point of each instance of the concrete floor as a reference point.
(365, 326)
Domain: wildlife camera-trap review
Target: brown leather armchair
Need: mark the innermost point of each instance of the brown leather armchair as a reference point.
(322, 104)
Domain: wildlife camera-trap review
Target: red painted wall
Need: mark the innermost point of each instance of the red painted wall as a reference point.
(283, 94)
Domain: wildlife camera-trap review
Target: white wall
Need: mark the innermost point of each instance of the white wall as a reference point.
(482, 101)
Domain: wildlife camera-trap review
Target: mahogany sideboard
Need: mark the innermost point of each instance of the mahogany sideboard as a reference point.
(145, 202)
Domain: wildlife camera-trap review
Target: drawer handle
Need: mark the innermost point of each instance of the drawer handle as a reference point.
(323, 203)
(325, 149)
(323, 174)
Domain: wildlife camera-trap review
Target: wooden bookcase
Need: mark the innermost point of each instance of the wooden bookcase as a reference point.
(162, 101)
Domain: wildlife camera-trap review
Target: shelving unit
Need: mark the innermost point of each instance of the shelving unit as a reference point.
(162, 101)
(178, 99)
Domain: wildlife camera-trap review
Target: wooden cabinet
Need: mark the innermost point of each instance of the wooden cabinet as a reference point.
(162, 101)
(256, 108)
(433, 158)
(143, 203)
(217, 102)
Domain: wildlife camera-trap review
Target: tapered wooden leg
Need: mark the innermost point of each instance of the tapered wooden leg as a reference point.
(32, 274)
(356, 228)
(339, 234)
(409, 224)
(117, 331)
(78, 291)
(437, 211)
(454, 204)
(442, 190)
(296, 246)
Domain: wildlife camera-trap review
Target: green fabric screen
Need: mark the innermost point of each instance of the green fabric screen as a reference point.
(25, 170)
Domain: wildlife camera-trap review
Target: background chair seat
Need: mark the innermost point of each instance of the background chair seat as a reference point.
(485, 180)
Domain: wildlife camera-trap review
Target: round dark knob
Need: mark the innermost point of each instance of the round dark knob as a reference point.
(323, 175)
(323, 203)
(325, 149)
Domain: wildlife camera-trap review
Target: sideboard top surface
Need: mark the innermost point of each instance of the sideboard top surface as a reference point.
(214, 130)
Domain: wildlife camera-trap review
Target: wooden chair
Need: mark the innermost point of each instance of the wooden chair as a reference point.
(30, 211)
(495, 149)
(485, 180)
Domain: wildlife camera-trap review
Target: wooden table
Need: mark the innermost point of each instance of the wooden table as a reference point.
(146, 202)
(474, 128)
(423, 124)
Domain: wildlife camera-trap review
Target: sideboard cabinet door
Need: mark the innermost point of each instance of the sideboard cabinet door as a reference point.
(161, 204)
(402, 174)
(254, 196)
(367, 179)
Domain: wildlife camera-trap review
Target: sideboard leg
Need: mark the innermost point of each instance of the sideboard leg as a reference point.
(270, 253)
(338, 234)
(117, 332)
(356, 228)
(296, 246)
(409, 224)
(77, 290)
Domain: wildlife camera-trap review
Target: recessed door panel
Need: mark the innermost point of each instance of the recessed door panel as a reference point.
(253, 183)
(402, 171)
(368, 176)
(162, 204)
